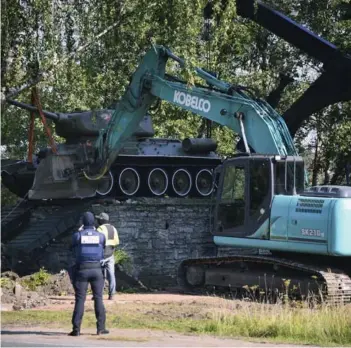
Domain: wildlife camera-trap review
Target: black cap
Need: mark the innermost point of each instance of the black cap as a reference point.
(88, 219)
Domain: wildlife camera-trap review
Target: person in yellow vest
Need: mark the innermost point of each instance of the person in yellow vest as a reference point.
(112, 240)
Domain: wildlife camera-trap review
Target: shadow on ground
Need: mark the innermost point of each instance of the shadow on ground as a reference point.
(45, 333)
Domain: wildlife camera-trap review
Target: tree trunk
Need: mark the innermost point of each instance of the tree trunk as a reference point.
(339, 172)
(326, 174)
(315, 169)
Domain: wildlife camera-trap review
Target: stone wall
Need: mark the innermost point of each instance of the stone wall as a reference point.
(156, 233)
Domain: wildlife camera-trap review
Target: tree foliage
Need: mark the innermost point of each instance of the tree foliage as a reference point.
(47, 35)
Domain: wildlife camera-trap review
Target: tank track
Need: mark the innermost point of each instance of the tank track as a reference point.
(337, 289)
(13, 219)
(55, 221)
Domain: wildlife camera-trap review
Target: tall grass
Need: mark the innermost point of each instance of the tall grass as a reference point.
(325, 325)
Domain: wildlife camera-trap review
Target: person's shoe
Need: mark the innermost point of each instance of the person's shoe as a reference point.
(103, 332)
(110, 297)
(74, 333)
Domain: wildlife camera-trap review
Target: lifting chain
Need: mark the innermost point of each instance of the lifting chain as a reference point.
(36, 102)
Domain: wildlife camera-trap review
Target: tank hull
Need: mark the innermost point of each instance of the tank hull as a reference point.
(149, 161)
(145, 166)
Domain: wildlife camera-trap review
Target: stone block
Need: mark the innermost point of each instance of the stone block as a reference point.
(19, 291)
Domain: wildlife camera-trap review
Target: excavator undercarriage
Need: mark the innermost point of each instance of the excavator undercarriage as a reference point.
(265, 277)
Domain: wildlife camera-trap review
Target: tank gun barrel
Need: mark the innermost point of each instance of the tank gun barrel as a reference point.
(50, 115)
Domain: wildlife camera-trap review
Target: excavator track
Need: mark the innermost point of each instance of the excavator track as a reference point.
(234, 272)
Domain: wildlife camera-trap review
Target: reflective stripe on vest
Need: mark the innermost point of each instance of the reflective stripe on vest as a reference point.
(110, 233)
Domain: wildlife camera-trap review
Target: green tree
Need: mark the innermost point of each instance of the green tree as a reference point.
(46, 35)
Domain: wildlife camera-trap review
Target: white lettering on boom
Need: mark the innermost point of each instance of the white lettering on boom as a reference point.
(193, 102)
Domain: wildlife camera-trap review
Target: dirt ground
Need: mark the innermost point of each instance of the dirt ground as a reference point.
(145, 298)
(57, 295)
(154, 304)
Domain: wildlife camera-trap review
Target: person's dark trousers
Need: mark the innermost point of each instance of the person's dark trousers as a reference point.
(83, 277)
(72, 275)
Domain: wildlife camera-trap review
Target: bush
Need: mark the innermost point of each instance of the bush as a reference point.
(37, 279)
(123, 259)
(4, 282)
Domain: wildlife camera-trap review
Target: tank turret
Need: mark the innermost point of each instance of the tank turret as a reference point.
(79, 126)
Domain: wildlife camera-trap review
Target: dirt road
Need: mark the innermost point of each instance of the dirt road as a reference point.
(44, 337)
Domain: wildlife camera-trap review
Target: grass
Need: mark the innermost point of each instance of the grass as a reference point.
(325, 326)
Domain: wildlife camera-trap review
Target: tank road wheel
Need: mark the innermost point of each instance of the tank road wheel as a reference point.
(158, 181)
(204, 182)
(105, 184)
(181, 182)
(129, 181)
(195, 275)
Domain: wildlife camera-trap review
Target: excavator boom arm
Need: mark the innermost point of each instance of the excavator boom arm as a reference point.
(264, 128)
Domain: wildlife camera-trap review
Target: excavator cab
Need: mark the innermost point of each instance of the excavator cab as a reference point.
(246, 189)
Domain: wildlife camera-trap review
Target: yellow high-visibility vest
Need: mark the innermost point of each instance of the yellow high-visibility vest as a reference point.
(110, 233)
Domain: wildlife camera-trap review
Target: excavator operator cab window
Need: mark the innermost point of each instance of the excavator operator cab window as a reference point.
(243, 197)
(285, 171)
(259, 185)
(234, 184)
(232, 198)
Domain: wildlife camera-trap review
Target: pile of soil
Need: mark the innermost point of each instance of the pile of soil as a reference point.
(13, 292)
(58, 285)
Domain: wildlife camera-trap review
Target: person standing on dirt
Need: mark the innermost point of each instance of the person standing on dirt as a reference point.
(88, 246)
(71, 269)
(112, 240)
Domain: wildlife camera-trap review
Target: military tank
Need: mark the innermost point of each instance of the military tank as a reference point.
(146, 166)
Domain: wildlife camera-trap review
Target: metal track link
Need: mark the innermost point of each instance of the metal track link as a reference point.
(38, 234)
(8, 213)
(13, 219)
(337, 283)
